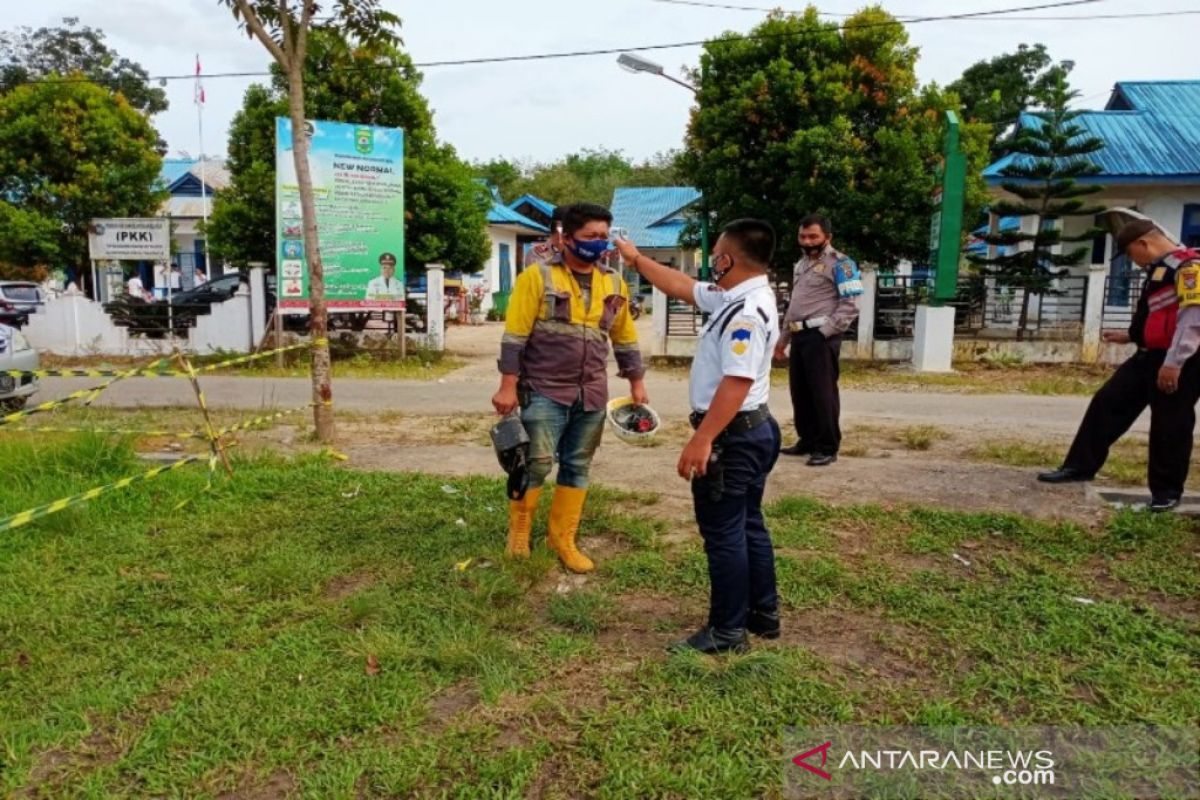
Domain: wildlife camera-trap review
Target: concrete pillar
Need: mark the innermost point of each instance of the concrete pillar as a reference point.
(258, 303)
(866, 312)
(1093, 313)
(933, 339)
(658, 315)
(435, 306)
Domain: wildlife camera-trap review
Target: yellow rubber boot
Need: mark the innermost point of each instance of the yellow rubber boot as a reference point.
(520, 523)
(565, 513)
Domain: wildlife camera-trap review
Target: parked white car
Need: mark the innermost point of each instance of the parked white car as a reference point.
(16, 354)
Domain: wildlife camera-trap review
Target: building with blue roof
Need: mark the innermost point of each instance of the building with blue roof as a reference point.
(534, 207)
(508, 231)
(653, 218)
(1150, 162)
(190, 201)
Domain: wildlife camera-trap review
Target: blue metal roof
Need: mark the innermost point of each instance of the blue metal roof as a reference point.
(535, 201)
(653, 216)
(1151, 132)
(175, 168)
(501, 214)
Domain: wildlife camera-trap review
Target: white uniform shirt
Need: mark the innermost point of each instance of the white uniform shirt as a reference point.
(382, 288)
(743, 349)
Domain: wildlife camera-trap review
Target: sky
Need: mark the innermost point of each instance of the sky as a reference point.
(543, 110)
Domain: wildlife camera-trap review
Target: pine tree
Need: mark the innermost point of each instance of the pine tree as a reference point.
(1051, 156)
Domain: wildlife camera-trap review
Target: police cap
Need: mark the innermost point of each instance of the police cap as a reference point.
(1132, 231)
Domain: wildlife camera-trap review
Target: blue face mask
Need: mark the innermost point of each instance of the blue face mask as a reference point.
(589, 251)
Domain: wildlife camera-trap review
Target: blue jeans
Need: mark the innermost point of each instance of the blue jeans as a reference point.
(741, 559)
(568, 434)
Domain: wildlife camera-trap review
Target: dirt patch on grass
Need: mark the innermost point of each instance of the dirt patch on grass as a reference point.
(855, 641)
(54, 767)
(277, 786)
(343, 586)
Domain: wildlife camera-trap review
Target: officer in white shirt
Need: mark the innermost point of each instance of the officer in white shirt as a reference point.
(385, 287)
(736, 441)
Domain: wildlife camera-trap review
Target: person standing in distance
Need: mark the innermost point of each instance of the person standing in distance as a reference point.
(736, 440)
(1163, 374)
(824, 304)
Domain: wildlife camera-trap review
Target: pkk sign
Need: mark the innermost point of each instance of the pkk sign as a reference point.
(130, 239)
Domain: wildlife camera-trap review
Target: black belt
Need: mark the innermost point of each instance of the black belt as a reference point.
(744, 422)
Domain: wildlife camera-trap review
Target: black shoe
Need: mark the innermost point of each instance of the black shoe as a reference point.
(764, 624)
(712, 641)
(797, 450)
(1158, 505)
(1064, 475)
(820, 460)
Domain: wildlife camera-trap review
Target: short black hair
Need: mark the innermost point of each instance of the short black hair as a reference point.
(576, 215)
(819, 220)
(755, 238)
(1132, 231)
(391, 259)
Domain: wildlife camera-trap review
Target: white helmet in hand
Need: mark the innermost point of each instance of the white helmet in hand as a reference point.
(633, 423)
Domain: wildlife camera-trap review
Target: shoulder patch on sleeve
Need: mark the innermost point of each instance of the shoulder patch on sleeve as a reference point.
(848, 278)
(1187, 285)
(740, 334)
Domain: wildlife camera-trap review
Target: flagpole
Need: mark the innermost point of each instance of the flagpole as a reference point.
(203, 175)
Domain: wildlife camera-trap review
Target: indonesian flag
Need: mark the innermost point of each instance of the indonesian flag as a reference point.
(199, 86)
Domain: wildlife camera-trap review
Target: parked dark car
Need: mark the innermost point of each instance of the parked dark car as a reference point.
(19, 299)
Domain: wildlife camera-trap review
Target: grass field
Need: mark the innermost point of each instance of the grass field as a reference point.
(312, 630)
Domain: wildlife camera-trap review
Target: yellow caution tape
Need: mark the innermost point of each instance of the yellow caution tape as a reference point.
(151, 372)
(192, 434)
(26, 517)
(91, 394)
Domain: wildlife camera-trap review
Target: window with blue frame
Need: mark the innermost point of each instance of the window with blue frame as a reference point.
(1189, 232)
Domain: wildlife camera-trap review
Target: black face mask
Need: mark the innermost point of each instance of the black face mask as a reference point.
(814, 250)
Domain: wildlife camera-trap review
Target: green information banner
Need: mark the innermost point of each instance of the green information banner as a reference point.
(358, 183)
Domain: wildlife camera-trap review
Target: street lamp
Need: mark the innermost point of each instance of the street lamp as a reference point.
(633, 63)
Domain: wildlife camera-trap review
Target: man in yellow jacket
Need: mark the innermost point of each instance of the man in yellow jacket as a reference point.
(563, 315)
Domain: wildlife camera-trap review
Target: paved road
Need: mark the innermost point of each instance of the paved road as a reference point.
(470, 391)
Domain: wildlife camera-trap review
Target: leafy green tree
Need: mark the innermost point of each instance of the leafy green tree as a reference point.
(589, 176)
(997, 90)
(72, 151)
(1045, 180)
(805, 116)
(349, 81)
(27, 54)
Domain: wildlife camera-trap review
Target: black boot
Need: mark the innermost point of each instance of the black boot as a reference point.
(712, 641)
(1064, 475)
(764, 624)
(796, 449)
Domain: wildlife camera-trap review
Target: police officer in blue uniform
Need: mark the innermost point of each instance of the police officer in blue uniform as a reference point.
(736, 441)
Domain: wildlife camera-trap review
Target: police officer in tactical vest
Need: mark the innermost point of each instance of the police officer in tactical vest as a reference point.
(1163, 374)
(824, 304)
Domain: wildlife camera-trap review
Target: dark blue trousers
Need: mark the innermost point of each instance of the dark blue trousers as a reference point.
(728, 503)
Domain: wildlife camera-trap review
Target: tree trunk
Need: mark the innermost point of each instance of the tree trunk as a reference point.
(322, 392)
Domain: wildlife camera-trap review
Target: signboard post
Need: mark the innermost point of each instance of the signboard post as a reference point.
(946, 233)
(358, 181)
(933, 332)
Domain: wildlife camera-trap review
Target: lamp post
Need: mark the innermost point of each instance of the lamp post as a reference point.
(633, 63)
